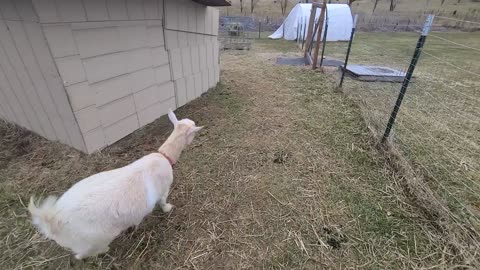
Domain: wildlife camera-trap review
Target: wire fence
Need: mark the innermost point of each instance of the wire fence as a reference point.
(251, 23)
(239, 32)
(438, 123)
(414, 22)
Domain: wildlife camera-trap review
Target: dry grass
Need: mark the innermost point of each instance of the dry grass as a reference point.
(438, 123)
(437, 127)
(285, 176)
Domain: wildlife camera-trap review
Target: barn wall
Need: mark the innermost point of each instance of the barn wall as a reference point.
(112, 59)
(191, 32)
(31, 91)
(90, 72)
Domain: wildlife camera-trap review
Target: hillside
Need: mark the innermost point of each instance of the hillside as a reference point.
(464, 9)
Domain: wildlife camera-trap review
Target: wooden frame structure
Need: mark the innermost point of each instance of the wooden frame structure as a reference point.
(312, 28)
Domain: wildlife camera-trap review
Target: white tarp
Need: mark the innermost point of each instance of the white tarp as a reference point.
(340, 22)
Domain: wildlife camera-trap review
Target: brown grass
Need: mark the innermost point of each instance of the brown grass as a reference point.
(285, 175)
(436, 130)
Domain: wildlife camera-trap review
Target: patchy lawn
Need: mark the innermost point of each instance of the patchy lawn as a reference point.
(438, 126)
(283, 176)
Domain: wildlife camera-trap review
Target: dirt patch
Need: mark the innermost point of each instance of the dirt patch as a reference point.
(281, 157)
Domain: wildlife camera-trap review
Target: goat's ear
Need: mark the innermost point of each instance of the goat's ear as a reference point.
(172, 117)
(193, 130)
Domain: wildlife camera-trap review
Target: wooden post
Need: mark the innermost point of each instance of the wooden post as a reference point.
(319, 34)
(313, 11)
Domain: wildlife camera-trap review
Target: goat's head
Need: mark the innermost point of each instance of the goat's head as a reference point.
(185, 126)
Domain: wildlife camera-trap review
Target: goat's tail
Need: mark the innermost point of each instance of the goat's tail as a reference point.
(43, 215)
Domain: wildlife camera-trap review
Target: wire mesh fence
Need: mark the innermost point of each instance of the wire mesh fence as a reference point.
(388, 23)
(438, 124)
(239, 32)
(251, 23)
(414, 22)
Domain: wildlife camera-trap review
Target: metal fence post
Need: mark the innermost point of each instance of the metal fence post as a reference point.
(298, 31)
(310, 30)
(300, 35)
(259, 28)
(304, 32)
(312, 38)
(349, 48)
(324, 39)
(408, 76)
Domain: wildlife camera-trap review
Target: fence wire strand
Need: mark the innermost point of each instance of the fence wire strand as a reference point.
(453, 42)
(440, 60)
(457, 20)
(439, 143)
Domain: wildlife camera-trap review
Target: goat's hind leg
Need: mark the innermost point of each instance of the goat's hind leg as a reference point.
(166, 207)
(82, 254)
(92, 250)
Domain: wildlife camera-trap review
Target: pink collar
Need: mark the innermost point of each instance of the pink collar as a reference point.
(168, 158)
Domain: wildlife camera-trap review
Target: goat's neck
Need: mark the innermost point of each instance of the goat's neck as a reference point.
(173, 146)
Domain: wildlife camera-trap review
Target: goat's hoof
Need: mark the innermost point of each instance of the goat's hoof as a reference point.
(105, 250)
(167, 208)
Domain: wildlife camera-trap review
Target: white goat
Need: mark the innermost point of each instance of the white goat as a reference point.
(97, 209)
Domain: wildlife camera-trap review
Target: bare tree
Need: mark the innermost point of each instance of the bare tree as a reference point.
(350, 2)
(253, 4)
(393, 4)
(443, 2)
(241, 6)
(283, 6)
(375, 6)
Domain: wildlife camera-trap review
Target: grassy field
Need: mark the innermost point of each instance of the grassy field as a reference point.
(438, 127)
(284, 176)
